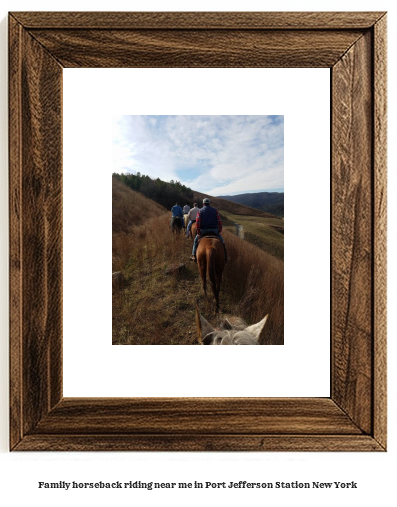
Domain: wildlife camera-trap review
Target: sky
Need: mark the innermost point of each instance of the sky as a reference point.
(217, 155)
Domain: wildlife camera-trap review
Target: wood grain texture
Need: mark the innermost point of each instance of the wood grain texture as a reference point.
(206, 443)
(352, 256)
(162, 416)
(353, 45)
(36, 241)
(380, 229)
(196, 48)
(202, 20)
(15, 226)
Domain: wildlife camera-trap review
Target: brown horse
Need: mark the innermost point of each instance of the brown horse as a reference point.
(230, 331)
(211, 262)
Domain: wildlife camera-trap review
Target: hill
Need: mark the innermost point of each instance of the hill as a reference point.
(263, 232)
(230, 206)
(269, 202)
(162, 192)
(130, 208)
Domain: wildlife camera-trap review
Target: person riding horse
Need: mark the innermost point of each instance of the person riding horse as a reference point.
(192, 215)
(208, 221)
(177, 214)
(185, 210)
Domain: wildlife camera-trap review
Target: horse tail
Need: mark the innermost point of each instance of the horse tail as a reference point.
(211, 261)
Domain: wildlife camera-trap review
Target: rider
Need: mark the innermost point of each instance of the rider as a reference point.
(186, 210)
(176, 211)
(192, 217)
(208, 221)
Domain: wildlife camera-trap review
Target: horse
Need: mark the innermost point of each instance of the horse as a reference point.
(185, 221)
(176, 224)
(193, 231)
(211, 262)
(231, 331)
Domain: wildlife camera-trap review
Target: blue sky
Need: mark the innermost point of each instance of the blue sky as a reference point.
(218, 155)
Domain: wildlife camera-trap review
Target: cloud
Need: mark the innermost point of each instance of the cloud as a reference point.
(213, 154)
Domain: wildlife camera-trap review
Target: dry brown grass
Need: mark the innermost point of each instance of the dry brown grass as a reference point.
(254, 282)
(154, 303)
(130, 208)
(153, 307)
(129, 211)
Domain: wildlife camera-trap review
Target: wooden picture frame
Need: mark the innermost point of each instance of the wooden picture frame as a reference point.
(353, 46)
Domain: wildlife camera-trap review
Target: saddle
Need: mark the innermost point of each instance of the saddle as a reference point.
(209, 234)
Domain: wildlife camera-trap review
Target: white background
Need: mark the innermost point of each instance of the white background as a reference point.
(20, 473)
(92, 366)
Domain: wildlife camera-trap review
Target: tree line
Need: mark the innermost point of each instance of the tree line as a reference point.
(162, 192)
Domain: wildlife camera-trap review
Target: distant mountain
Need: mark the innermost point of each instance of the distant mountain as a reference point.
(230, 205)
(269, 202)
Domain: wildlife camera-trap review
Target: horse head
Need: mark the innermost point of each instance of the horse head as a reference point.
(232, 331)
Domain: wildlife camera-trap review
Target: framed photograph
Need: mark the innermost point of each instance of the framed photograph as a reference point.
(353, 46)
(174, 173)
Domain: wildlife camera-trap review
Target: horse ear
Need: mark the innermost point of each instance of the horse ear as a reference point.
(203, 327)
(256, 329)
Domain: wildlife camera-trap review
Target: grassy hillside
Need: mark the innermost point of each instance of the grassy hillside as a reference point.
(153, 300)
(163, 192)
(129, 211)
(264, 232)
(130, 208)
